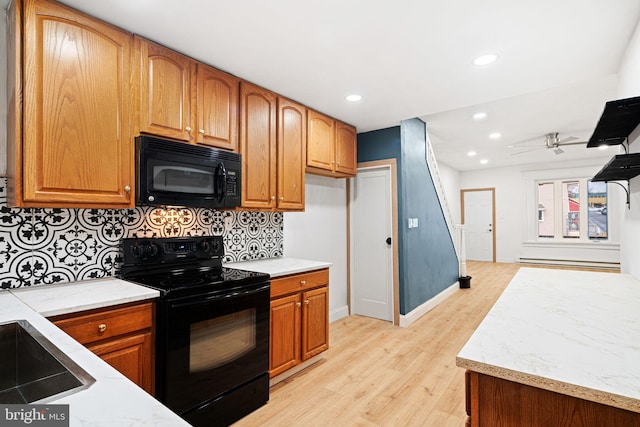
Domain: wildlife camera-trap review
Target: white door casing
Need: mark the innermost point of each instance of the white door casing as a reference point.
(478, 217)
(372, 257)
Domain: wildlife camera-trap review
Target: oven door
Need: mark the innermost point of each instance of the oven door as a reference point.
(213, 343)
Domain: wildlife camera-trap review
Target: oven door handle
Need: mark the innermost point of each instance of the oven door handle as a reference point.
(220, 297)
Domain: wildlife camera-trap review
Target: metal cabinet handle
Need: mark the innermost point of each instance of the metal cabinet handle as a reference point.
(281, 197)
(303, 282)
(298, 304)
(127, 188)
(102, 327)
(273, 197)
(306, 302)
(201, 131)
(188, 128)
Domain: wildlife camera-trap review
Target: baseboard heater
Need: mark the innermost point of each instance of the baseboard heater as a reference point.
(571, 263)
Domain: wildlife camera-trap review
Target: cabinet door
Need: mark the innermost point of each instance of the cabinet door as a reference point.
(285, 334)
(345, 150)
(258, 146)
(77, 144)
(165, 91)
(217, 96)
(131, 356)
(320, 141)
(315, 322)
(292, 142)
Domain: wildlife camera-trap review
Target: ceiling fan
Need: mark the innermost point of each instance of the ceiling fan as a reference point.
(551, 141)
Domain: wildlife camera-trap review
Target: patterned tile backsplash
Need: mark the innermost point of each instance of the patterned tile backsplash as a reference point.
(42, 246)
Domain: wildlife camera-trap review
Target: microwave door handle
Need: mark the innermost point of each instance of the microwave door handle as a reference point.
(221, 182)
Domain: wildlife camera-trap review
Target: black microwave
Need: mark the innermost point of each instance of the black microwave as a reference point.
(174, 173)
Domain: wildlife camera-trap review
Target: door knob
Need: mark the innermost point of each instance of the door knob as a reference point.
(388, 240)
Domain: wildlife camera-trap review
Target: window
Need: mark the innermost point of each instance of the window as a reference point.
(597, 200)
(545, 210)
(562, 216)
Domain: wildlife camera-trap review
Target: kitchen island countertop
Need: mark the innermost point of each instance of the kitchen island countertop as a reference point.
(277, 267)
(572, 332)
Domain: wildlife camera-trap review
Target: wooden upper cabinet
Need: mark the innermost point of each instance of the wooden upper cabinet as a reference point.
(345, 149)
(258, 146)
(217, 108)
(165, 91)
(292, 142)
(321, 141)
(331, 146)
(69, 140)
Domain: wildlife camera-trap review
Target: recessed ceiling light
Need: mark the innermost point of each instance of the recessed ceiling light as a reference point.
(485, 59)
(484, 161)
(471, 153)
(603, 147)
(479, 116)
(494, 135)
(353, 98)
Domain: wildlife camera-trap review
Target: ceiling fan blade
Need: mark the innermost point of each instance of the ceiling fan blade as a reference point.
(525, 151)
(567, 139)
(572, 143)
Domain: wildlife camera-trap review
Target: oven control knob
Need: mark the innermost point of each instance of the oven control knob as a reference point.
(151, 198)
(205, 246)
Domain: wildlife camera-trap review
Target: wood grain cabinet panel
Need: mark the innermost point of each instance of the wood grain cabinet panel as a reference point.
(321, 141)
(493, 401)
(346, 160)
(122, 336)
(217, 96)
(258, 146)
(315, 322)
(299, 319)
(292, 144)
(165, 91)
(69, 134)
(285, 333)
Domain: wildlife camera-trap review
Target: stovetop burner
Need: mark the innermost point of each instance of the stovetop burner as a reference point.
(182, 266)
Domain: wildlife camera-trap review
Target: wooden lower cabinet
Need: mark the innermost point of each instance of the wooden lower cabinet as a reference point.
(122, 336)
(496, 402)
(299, 319)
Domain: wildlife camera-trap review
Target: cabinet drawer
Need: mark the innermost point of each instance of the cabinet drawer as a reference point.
(299, 282)
(94, 326)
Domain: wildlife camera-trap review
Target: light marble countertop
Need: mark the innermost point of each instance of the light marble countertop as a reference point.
(112, 400)
(71, 297)
(280, 266)
(572, 332)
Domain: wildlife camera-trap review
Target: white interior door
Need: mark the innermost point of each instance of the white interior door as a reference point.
(479, 224)
(372, 256)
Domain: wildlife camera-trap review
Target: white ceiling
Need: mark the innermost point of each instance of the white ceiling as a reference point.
(410, 58)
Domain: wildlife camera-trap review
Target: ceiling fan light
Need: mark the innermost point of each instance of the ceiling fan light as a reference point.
(558, 150)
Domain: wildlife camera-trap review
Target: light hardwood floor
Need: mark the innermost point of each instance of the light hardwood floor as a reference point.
(375, 374)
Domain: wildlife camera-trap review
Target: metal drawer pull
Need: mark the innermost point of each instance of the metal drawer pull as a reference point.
(306, 302)
(298, 304)
(102, 327)
(303, 282)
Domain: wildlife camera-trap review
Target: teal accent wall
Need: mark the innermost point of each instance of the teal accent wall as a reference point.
(427, 259)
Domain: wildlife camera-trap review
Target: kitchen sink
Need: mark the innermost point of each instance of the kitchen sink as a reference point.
(32, 369)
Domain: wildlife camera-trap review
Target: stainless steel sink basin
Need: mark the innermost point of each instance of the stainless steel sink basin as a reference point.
(32, 369)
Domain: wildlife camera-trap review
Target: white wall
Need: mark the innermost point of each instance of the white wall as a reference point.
(450, 179)
(320, 233)
(514, 191)
(629, 86)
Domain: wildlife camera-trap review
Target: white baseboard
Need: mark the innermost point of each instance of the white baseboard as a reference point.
(418, 312)
(570, 263)
(339, 313)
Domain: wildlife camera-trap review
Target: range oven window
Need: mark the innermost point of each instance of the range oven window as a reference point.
(218, 341)
(180, 179)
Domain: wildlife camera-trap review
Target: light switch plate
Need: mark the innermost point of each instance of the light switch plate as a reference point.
(228, 223)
